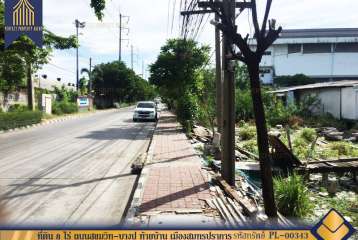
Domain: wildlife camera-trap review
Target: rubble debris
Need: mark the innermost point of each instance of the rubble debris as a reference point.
(334, 136)
(139, 163)
(202, 134)
(248, 207)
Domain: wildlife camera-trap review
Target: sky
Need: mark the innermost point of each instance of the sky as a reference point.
(152, 22)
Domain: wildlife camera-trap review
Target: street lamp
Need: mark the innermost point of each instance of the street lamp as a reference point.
(78, 25)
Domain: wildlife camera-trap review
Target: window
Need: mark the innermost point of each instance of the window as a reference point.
(265, 71)
(294, 48)
(146, 105)
(347, 47)
(316, 48)
(268, 53)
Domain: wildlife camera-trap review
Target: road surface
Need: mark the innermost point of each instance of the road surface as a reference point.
(76, 172)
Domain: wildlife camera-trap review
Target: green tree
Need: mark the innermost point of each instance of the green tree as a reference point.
(176, 73)
(207, 98)
(114, 82)
(22, 57)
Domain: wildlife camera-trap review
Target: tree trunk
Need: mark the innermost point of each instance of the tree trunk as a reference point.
(262, 140)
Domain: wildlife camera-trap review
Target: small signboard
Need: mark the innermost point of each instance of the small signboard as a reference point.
(83, 102)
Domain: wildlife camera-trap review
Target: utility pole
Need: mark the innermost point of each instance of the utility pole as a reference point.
(228, 153)
(226, 110)
(143, 69)
(121, 17)
(219, 93)
(78, 25)
(132, 57)
(120, 38)
(90, 78)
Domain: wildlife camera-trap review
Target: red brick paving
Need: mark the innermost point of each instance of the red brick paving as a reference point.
(175, 179)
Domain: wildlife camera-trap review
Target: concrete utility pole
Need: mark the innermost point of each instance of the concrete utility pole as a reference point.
(120, 38)
(78, 25)
(90, 78)
(219, 94)
(132, 57)
(228, 153)
(227, 111)
(121, 17)
(143, 69)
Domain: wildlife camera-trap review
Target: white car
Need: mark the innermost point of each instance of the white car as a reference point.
(145, 111)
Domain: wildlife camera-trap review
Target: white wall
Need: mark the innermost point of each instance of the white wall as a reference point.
(324, 65)
(329, 98)
(350, 103)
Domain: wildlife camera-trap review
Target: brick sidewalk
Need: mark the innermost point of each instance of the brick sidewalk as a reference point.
(175, 181)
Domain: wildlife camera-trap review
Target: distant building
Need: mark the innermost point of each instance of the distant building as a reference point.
(338, 98)
(321, 54)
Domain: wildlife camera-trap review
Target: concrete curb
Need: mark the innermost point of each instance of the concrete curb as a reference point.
(57, 120)
(130, 218)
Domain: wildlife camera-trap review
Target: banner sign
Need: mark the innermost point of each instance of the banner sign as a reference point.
(23, 17)
(83, 101)
(332, 227)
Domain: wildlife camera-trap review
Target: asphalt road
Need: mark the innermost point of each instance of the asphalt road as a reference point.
(75, 172)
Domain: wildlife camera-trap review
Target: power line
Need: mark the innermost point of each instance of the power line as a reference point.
(61, 68)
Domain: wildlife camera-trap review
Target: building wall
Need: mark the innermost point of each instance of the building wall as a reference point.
(340, 102)
(19, 97)
(315, 65)
(329, 99)
(350, 103)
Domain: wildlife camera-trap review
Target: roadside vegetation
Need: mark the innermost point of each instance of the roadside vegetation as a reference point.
(115, 84)
(19, 117)
(185, 83)
(65, 102)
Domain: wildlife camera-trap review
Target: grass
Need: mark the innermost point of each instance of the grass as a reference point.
(292, 197)
(345, 206)
(308, 134)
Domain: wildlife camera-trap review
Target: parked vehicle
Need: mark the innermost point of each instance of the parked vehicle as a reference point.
(145, 111)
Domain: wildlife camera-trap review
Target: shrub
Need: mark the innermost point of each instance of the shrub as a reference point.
(295, 122)
(251, 146)
(300, 148)
(18, 108)
(298, 79)
(292, 196)
(326, 120)
(247, 132)
(277, 113)
(187, 110)
(342, 148)
(59, 108)
(12, 120)
(308, 134)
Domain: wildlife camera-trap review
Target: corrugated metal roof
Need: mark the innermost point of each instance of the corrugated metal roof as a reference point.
(337, 84)
(319, 32)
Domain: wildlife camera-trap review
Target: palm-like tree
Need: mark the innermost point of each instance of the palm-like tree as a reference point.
(89, 85)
